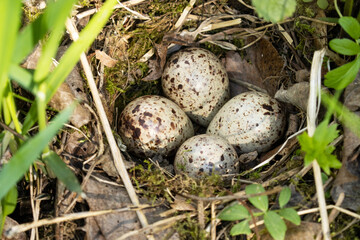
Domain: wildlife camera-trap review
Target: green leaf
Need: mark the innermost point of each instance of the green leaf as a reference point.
(323, 4)
(234, 212)
(351, 26)
(324, 178)
(341, 77)
(346, 117)
(307, 1)
(345, 46)
(8, 203)
(290, 215)
(284, 197)
(62, 172)
(317, 147)
(240, 228)
(260, 202)
(10, 16)
(275, 225)
(27, 153)
(274, 10)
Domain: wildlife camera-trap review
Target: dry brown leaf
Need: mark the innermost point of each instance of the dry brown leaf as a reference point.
(105, 59)
(77, 145)
(302, 75)
(63, 98)
(267, 61)
(156, 66)
(239, 69)
(101, 196)
(296, 95)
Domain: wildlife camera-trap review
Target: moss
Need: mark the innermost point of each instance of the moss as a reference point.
(30, 14)
(190, 229)
(306, 9)
(304, 27)
(85, 3)
(215, 49)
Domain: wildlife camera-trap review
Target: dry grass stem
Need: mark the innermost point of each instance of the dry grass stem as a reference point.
(201, 216)
(94, 10)
(280, 149)
(116, 154)
(155, 226)
(213, 222)
(140, 16)
(184, 15)
(312, 112)
(68, 217)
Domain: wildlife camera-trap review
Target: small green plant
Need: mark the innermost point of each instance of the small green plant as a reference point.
(15, 45)
(317, 147)
(342, 76)
(273, 219)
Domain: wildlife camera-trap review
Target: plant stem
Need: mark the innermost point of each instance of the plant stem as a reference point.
(117, 156)
(337, 8)
(314, 100)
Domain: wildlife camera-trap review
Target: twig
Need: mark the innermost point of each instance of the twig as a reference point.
(68, 217)
(150, 228)
(238, 195)
(213, 222)
(312, 111)
(334, 212)
(116, 154)
(94, 10)
(12, 131)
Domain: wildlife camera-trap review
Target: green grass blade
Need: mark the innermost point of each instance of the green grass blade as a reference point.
(346, 117)
(8, 204)
(62, 172)
(10, 12)
(29, 152)
(57, 18)
(35, 31)
(72, 56)
(23, 77)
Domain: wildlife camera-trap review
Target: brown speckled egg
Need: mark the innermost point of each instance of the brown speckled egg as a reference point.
(153, 125)
(195, 79)
(250, 121)
(204, 154)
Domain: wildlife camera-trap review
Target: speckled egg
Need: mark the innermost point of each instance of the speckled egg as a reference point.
(153, 125)
(250, 121)
(195, 79)
(204, 154)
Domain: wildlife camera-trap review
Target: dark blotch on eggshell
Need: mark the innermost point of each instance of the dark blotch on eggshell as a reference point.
(203, 154)
(249, 123)
(203, 82)
(153, 125)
